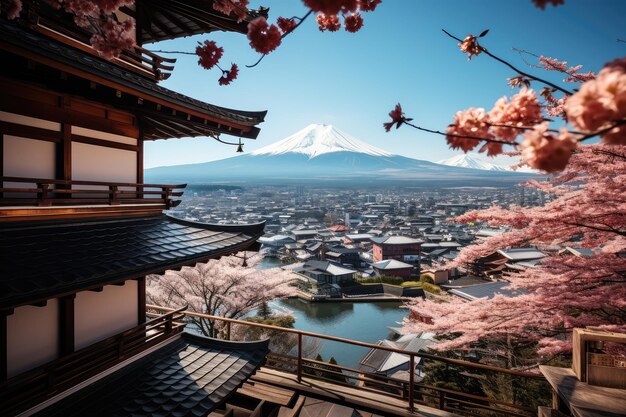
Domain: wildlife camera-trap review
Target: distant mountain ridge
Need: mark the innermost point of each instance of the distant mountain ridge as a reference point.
(323, 153)
(469, 160)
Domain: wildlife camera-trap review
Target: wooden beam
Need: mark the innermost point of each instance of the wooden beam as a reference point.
(1, 160)
(101, 142)
(30, 132)
(140, 145)
(141, 300)
(41, 303)
(4, 342)
(66, 324)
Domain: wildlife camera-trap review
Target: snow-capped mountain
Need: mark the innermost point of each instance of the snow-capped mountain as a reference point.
(477, 161)
(323, 153)
(468, 161)
(318, 139)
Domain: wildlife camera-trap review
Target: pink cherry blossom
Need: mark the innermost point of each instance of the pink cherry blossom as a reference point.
(332, 7)
(219, 287)
(263, 38)
(353, 22)
(523, 110)
(564, 291)
(601, 102)
(471, 122)
(328, 22)
(546, 151)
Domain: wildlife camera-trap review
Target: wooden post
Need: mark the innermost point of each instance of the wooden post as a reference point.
(66, 324)
(442, 400)
(113, 196)
(141, 300)
(4, 343)
(299, 357)
(411, 383)
(42, 196)
(227, 330)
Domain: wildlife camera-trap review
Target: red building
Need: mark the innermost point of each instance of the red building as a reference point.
(400, 248)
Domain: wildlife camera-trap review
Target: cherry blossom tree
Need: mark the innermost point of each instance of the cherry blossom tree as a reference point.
(221, 287)
(564, 291)
(522, 122)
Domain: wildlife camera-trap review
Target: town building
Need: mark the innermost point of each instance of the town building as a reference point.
(400, 248)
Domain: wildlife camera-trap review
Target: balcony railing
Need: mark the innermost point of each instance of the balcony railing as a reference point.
(17, 191)
(34, 386)
(411, 391)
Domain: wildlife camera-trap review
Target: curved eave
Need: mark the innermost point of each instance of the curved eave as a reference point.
(148, 96)
(54, 259)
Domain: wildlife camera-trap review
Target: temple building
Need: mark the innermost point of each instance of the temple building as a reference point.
(80, 231)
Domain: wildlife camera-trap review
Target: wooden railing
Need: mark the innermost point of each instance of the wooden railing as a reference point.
(411, 391)
(48, 192)
(34, 386)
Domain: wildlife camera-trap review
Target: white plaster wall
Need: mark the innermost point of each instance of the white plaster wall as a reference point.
(29, 158)
(98, 315)
(98, 163)
(76, 130)
(33, 337)
(29, 121)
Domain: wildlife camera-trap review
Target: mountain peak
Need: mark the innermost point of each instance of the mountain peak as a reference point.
(466, 160)
(318, 139)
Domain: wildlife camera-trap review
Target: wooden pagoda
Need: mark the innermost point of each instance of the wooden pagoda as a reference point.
(79, 230)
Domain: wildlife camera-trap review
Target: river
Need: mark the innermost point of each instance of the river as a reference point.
(366, 322)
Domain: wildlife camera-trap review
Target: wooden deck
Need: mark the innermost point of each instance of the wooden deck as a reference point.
(584, 400)
(318, 398)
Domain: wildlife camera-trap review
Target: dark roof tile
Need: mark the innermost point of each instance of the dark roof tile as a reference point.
(41, 260)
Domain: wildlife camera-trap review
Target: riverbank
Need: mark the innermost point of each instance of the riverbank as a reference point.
(365, 299)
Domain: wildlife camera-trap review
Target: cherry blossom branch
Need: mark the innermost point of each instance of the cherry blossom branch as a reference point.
(508, 64)
(171, 52)
(602, 131)
(438, 132)
(301, 20)
(548, 65)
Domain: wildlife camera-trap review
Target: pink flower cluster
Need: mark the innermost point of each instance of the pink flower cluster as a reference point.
(14, 9)
(543, 3)
(551, 64)
(328, 22)
(472, 122)
(229, 75)
(114, 37)
(286, 25)
(263, 38)
(209, 54)
(601, 103)
(397, 118)
(239, 8)
(523, 110)
(470, 46)
(329, 10)
(546, 151)
(110, 36)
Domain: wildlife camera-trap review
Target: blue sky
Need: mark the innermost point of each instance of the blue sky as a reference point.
(353, 80)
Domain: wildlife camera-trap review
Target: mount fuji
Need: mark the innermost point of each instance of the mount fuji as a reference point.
(324, 153)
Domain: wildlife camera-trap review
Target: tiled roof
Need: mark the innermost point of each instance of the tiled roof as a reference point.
(40, 260)
(487, 290)
(396, 240)
(391, 264)
(188, 377)
(63, 54)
